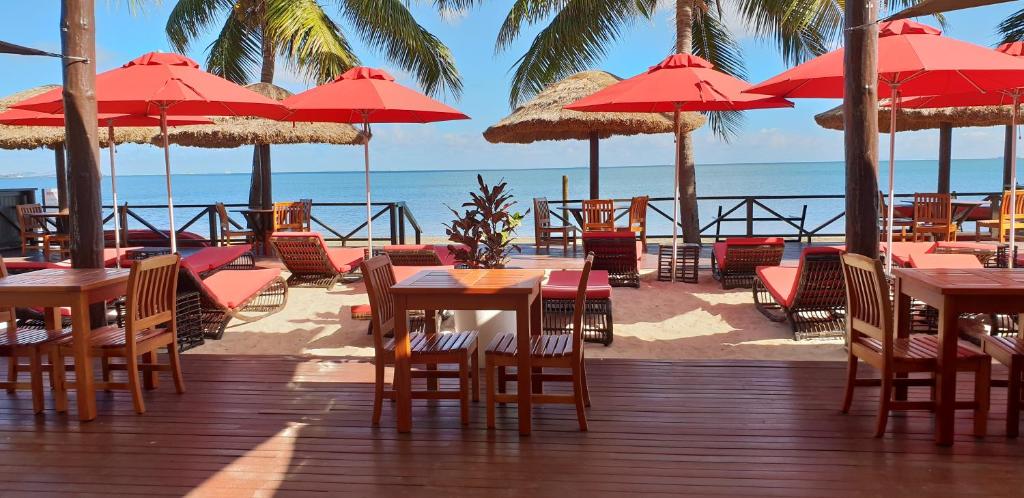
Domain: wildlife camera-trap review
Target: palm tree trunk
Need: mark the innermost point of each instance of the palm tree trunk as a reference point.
(689, 216)
(260, 187)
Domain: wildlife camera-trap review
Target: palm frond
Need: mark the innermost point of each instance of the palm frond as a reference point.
(388, 26)
(190, 18)
(713, 41)
(1012, 28)
(801, 29)
(310, 41)
(578, 36)
(524, 12)
(236, 54)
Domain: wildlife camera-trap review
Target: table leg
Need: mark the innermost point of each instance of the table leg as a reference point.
(80, 329)
(430, 319)
(945, 393)
(903, 320)
(403, 377)
(524, 374)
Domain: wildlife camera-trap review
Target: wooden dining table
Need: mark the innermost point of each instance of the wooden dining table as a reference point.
(458, 289)
(953, 292)
(76, 288)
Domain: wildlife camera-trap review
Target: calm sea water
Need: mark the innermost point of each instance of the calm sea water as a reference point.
(427, 192)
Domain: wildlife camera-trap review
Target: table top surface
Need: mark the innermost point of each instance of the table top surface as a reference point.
(63, 279)
(968, 281)
(475, 282)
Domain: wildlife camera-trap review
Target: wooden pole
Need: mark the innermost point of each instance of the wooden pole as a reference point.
(860, 116)
(256, 181)
(595, 166)
(78, 39)
(945, 156)
(565, 199)
(61, 166)
(1008, 157)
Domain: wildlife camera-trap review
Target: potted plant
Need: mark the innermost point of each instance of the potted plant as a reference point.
(481, 237)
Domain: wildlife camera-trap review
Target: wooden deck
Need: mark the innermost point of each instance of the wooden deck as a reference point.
(280, 425)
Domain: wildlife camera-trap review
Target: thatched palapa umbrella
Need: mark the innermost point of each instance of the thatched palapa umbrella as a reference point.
(230, 131)
(944, 119)
(52, 137)
(544, 118)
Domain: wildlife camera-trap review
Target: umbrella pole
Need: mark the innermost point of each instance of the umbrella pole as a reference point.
(675, 192)
(1013, 181)
(167, 175)
(893, 109)
(366, 164)
(113, 193)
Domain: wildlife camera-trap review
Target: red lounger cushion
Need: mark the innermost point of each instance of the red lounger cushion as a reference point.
(780, 282)
(345, 259)
(901, 251)
(211, 258)
(720, 248)
(563, 284)
(903, 211)
(949, 261)
(977, 246)
(362, 312)
(26, 265)
(232, 288)
(980, 213)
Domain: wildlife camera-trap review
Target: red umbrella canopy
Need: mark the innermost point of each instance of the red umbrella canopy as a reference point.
(914, 57)
(680, 82)
(173, 82)
(364, 94)
(21, 117)
(973, 99)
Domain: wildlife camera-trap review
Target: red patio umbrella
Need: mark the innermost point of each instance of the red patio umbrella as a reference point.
(21, 117)
(913, 60)
(367, 95)
(681, 82)
(1011, 96)
(165, 84)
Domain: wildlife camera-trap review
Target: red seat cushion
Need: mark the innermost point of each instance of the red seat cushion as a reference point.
(944, 261)
(232, 288)
(211, 258)
(780, 282)
(901, 251)
(563, 284)
(345, 259)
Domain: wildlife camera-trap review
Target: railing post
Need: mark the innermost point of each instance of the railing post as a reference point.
(213, 225)
(750, 216)
(401, 223)
(393, 215)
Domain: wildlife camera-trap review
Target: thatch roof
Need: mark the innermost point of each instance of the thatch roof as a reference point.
(926, 119)
(34, 137)
(544, 118)
(230, 131)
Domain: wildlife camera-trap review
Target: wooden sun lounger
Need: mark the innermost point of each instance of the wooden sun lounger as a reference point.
(735, 261)
(246, 295)
(311, 263)
(810, 296)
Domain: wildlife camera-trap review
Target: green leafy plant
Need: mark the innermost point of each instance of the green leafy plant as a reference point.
(484, 231)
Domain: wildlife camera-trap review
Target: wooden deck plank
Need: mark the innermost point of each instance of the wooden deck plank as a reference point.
(263, 426)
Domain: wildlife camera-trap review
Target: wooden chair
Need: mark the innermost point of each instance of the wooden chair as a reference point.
(1010, 352)
(291, 216)
(999, 229)
(811, 296)
(545, 233)
(228, 233)
(31, 229)
(33, 343)
(933, 216)
(455, 348)
(150, 325)
(562, 351)
(871, 337)
(900, 225)
(638, 217)
(598, 215)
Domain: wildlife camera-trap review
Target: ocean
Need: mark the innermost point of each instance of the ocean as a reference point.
(428, 192)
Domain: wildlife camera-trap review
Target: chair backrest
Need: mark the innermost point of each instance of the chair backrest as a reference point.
(933, 208)
(1007, 210)
(7, 314)
(291, 216)
(302, 253)
(379, 277)
(868, 305)
(579, 307)
(638, 212)
(26, 222)
(598, 215)
(541, 212)
(821, 278)
(224, 219)
(152, 295)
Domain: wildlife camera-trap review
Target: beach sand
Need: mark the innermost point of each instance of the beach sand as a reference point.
(660, 320)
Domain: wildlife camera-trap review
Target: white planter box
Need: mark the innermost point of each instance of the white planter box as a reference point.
(488, 323)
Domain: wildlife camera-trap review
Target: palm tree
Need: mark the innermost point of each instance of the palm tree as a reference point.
(1011, 29)
(254, 33)
(580, 31)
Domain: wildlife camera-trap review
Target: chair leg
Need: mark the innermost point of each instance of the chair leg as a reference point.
(583, 380)
(464, 390)
(60, 393)
(1013, 398)
(577, 394)
(851, 380)
(12, 373)
(35, 362)
(884, 404)
(982, 383)
(149, 377)
(378, 391)
(474, 364)
(501, 381)
(489, 367)
(174, 359)
(105, 370)
(132, 368)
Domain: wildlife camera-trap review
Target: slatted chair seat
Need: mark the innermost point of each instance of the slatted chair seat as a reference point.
(1011, 345)
(442, 343)
(114, 337)
(1010, 352)
(920, 348)
(27, 337)
(541, 346)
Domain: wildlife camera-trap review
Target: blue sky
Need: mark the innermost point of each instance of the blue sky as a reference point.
(767, 136)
